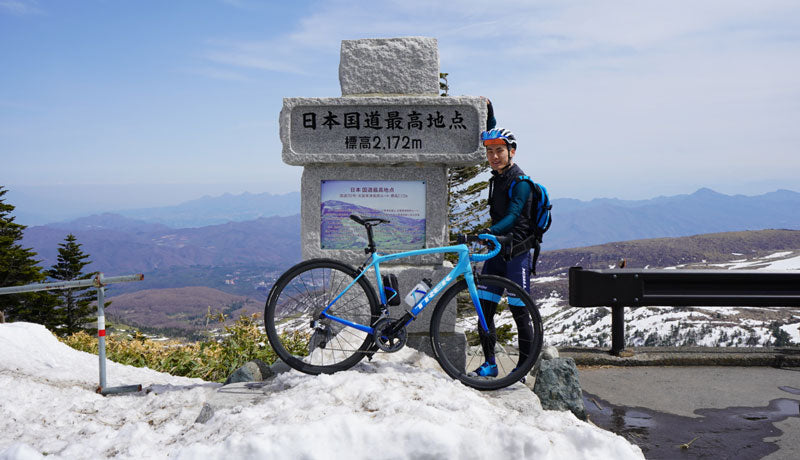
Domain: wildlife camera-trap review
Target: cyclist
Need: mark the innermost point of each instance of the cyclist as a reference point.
(509, 209)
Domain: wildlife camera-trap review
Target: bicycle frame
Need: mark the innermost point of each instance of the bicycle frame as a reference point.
(463, 267)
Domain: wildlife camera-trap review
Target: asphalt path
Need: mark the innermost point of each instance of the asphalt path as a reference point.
(713, 411)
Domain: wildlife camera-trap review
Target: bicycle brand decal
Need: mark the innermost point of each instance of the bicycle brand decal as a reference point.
(433, 292)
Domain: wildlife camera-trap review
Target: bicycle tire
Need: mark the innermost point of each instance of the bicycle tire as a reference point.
(456, 341)
(298, 297)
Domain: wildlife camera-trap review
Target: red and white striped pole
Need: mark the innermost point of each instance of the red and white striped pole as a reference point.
(101, 329)
(101, 336)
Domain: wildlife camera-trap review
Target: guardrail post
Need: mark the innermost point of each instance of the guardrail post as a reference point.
(101, 342)
(634, 288)
(101, 329)
(617, 329)
(99, 282)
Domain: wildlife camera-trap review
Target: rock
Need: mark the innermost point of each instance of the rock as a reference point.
(279, 367)
(558, 388)
(205, 414)
(252, 371)
(550, 352)
(408, 65)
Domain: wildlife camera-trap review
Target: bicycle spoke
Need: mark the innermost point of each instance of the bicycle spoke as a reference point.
(297, 301)
(500, 346)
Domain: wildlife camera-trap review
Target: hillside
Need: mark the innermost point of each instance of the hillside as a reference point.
(185, 308)
(667, 252)
(668, 326)
(119, 245)
(178, 309)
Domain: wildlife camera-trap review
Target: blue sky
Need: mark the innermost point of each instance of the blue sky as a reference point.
(124, 104)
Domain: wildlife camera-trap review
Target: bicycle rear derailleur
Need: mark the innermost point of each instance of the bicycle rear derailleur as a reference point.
(387, 338)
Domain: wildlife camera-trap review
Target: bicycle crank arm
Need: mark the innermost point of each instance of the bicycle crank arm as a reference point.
(400, 323)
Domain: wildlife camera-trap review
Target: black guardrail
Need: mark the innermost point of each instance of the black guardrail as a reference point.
(627, 287)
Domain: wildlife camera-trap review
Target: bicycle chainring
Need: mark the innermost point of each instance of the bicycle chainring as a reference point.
(389, 342)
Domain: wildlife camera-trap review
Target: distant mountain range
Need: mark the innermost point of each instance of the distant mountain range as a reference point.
(575, 223)
(221, 209)
(119, 244)
(583, 223)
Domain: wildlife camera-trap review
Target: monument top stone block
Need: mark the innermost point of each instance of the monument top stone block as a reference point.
(383, 130)
(389, 66)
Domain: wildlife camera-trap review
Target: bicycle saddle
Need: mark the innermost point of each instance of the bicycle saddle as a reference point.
(368, 220)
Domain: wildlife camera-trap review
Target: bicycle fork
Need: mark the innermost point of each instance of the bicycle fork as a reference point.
(476, 301)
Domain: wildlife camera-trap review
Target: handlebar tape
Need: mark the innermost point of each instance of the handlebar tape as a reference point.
(491, 238)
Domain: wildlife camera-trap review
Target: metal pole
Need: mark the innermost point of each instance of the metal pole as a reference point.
(99, 282)
(101, 332)
(617, 329)
(69, 284)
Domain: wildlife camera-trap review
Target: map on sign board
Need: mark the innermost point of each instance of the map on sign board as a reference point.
(402, 203)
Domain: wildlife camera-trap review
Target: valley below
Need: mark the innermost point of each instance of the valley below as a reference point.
(182, 311)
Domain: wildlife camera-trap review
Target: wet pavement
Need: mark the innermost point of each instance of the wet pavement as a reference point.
(674, 412)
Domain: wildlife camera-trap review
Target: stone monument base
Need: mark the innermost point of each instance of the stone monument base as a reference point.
(419, 329)
(455, 344)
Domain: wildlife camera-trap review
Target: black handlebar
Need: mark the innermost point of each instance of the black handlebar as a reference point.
(464, 238)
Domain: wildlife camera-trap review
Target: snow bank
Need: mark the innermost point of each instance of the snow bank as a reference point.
(399, 406)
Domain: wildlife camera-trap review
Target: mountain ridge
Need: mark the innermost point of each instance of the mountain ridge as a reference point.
(119, 244)
(212, 210)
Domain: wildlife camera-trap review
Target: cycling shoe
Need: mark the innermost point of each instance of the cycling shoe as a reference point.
(486, 370)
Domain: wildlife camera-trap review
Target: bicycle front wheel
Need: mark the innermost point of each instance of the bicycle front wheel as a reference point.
(292, 320)
(512, 342)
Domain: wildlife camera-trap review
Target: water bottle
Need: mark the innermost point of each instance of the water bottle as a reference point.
(418, 292)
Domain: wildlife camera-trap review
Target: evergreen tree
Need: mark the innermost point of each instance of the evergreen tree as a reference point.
(76, 309)
(18, 268)
(467, 212)
(782, 338)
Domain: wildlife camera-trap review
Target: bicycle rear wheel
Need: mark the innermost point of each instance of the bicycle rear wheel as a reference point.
(514, 340)
(292, 316)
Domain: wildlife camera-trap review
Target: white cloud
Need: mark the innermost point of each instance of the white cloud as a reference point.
(642, 94)
(266, 55)
(20, 7)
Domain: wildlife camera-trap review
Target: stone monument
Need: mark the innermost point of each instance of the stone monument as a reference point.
(382, 149)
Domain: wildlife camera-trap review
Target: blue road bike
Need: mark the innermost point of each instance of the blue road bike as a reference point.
(333, 307)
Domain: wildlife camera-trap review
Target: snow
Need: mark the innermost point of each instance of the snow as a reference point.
(765, 263)
(567, 326)
(397, 406)
(792, 263)
(793, 330)
(547, 279)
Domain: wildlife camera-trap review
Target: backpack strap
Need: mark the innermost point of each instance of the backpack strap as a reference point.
(535, 239)
(520, 178)
(537, 196)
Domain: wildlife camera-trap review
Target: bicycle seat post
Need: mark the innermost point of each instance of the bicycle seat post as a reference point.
(371, 248)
